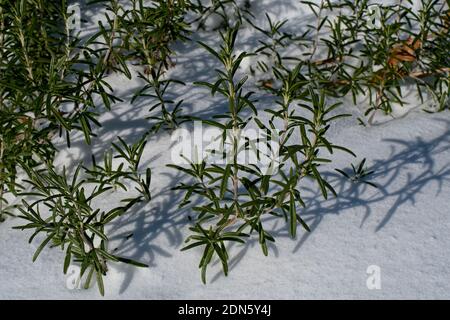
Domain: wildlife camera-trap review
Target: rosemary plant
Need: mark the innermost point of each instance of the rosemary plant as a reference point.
(359, 174)
(70, 220)
(227, 12)
(403, 47)
(48, 83)
(275, 40)
(150, 31)
(52, 82)
(213, 182)
(237, 197)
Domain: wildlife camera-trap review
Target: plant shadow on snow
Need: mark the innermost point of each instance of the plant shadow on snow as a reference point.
(127, 120)
(410, 169)
(134, 234)
(412, 162)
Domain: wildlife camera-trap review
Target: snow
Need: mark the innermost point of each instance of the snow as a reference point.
(401, 227)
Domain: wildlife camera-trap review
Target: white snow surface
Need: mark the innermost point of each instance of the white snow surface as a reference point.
(402, 227)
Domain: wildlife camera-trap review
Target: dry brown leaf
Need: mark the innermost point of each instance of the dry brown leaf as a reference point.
(405, 51)
(267, 83)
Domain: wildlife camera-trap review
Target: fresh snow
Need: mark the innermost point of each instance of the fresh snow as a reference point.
(402, 227)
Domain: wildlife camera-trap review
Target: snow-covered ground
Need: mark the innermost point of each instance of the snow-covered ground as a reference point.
(400, 229)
